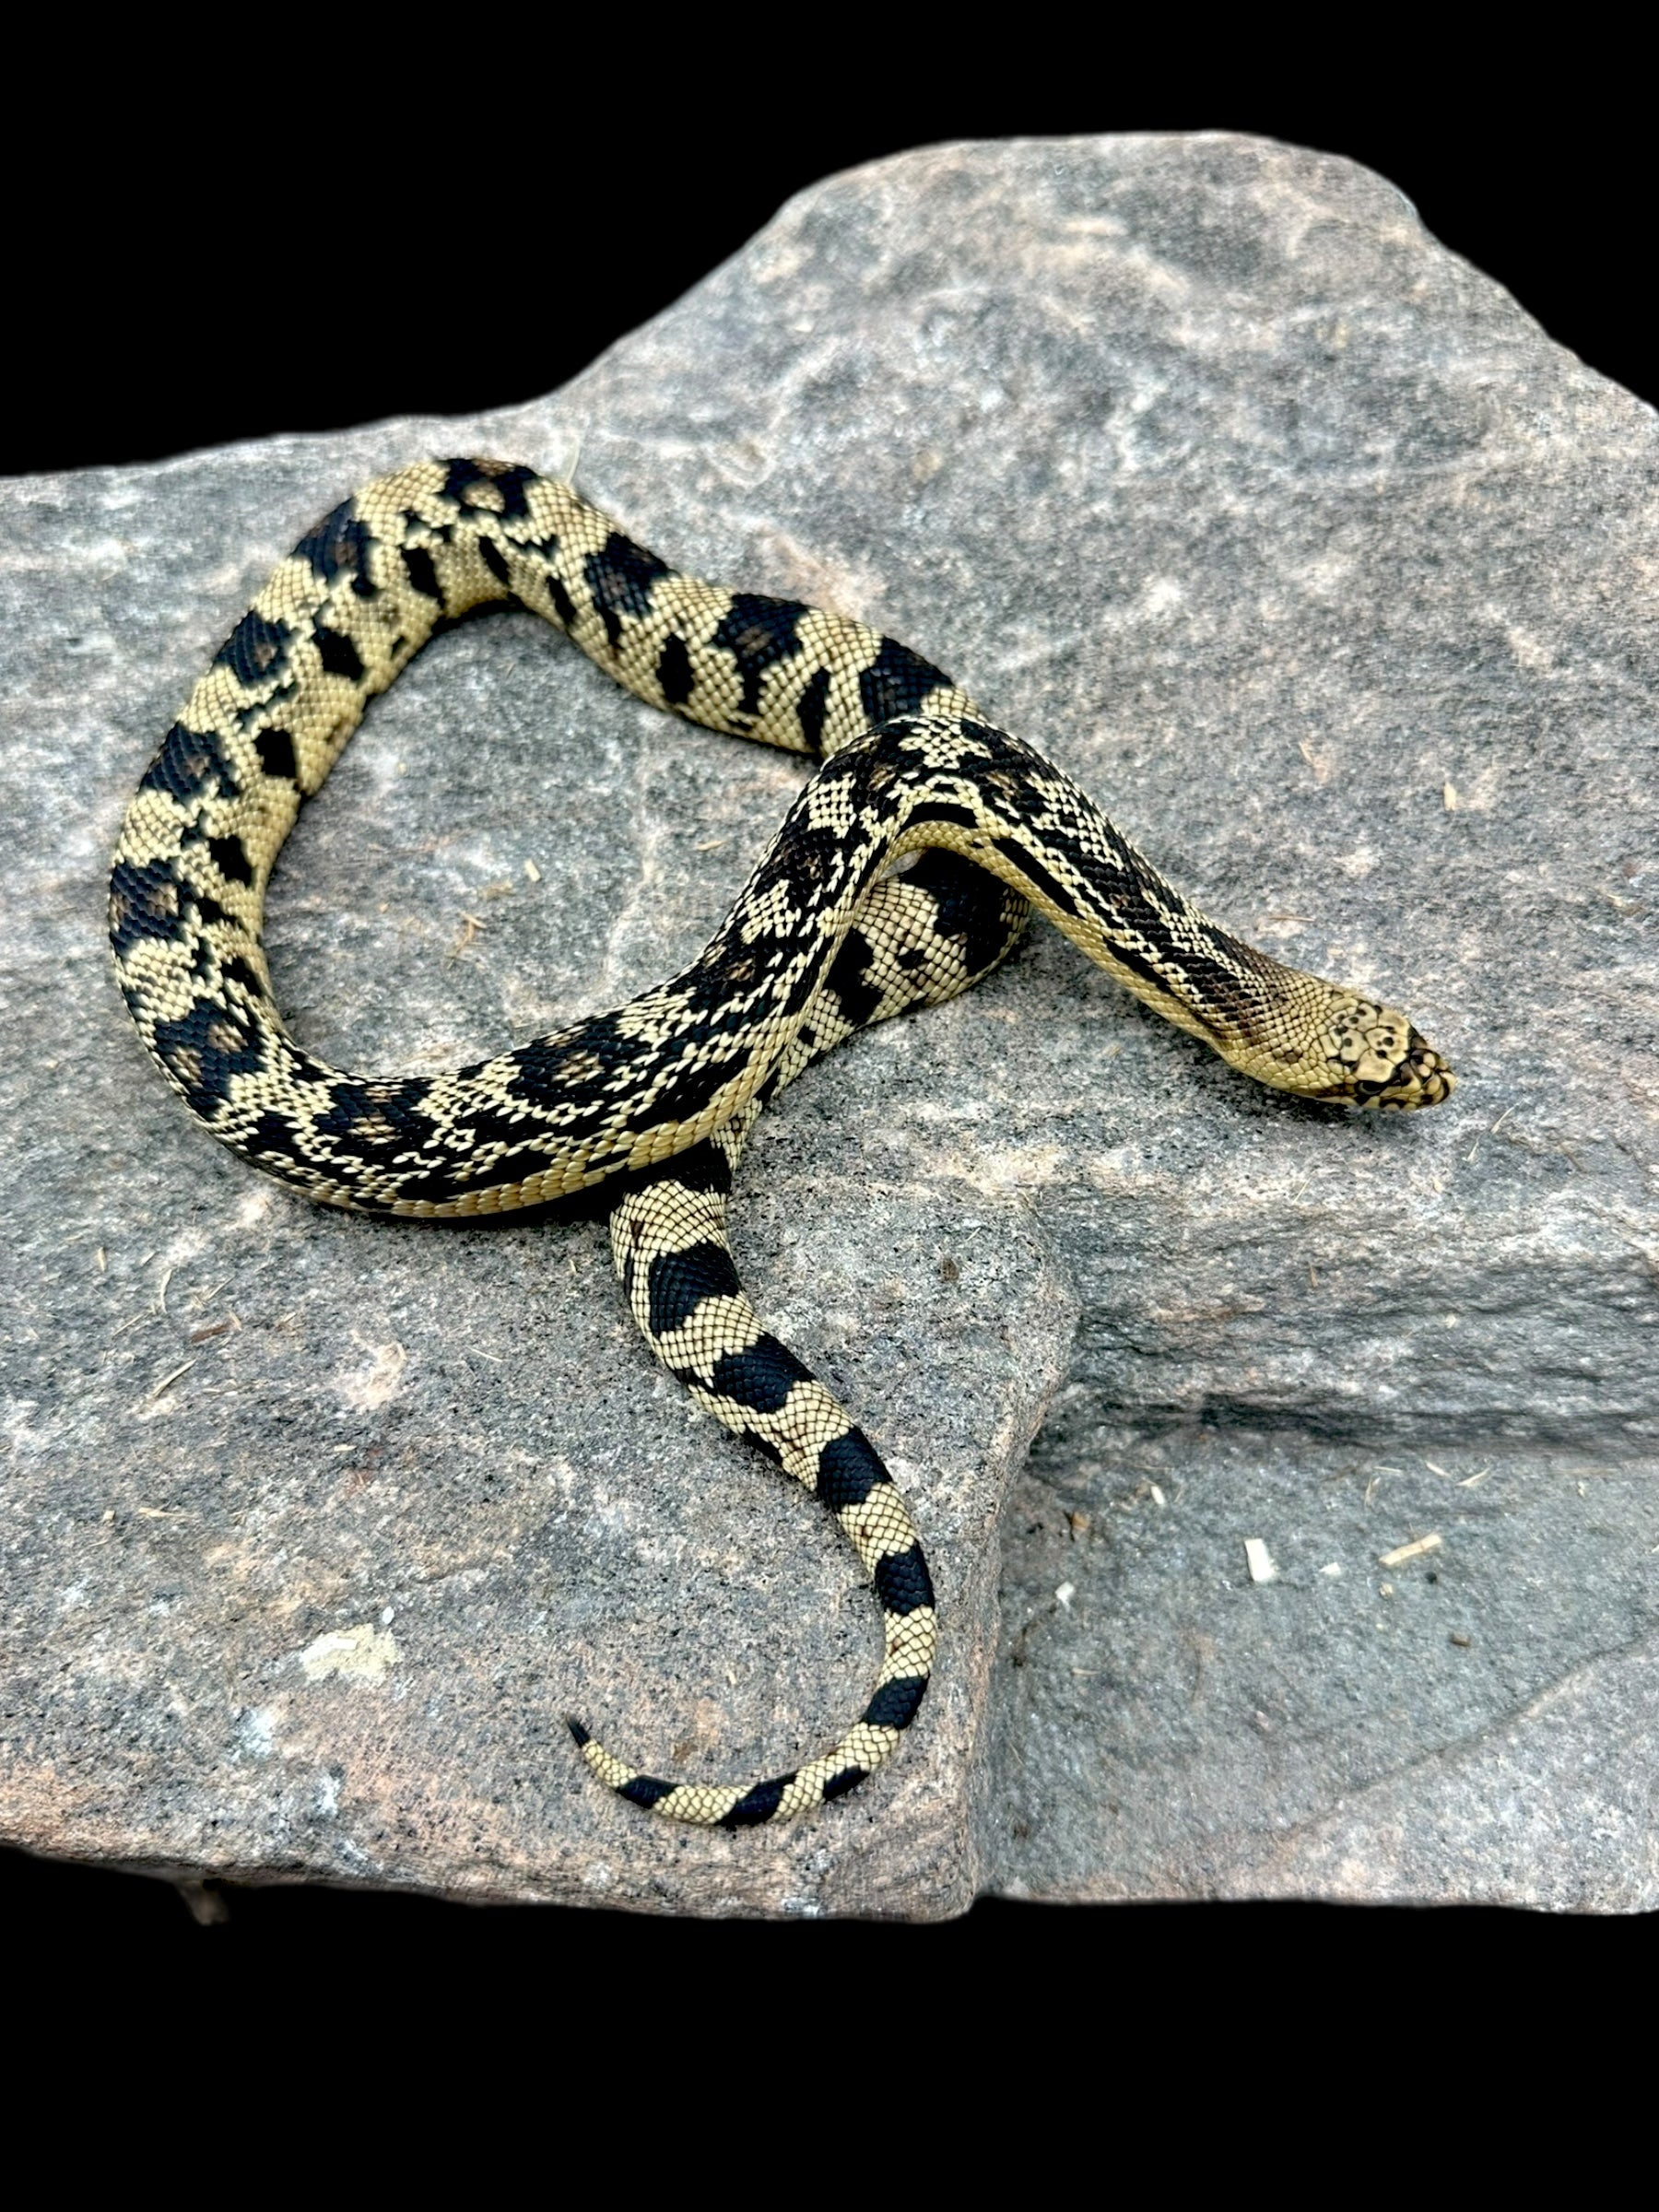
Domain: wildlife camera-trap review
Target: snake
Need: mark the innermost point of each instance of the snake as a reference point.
(903, 873)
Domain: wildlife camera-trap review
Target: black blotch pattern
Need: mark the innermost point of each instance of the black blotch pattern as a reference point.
(191, 764)
(729, 967)
(339, 656)
(463, 477)
(339, 547)
(808, 863)
(848, 1779)
(434, 1186)
(276, 750)
(206, 1048)
(422, 572)
(848, 978)
(644, 1789)
(269, 1142)
(255, 651)
(541, 1079)
(897, 681)
(144, 903)
(725, 995)
(685, 1094)
(679, 1281)
(759, 1805)
(761, 1377)
(758, 632)
(619, 577)
(564, 606)
(902, 1582)
(894, 1704)
(801, 990)
(392, 1110)
(812, 706)
(848, 1471)
(236, 971)
(581, 1734)
(230, 858)
(673, 670)
(968, 904)
(495, 560)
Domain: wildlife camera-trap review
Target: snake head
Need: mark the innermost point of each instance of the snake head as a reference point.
(1378, 1058)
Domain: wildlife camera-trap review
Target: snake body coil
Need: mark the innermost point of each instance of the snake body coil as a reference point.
(825, 938)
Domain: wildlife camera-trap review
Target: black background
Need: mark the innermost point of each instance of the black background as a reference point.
(325, 280)
(333, 248)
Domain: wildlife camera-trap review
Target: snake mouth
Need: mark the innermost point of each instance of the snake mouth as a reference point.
(1436, 1083)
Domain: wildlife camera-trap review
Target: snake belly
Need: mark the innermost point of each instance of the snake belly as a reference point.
(660, 1094)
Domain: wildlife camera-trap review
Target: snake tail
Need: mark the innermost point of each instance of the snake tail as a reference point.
(669, 1241)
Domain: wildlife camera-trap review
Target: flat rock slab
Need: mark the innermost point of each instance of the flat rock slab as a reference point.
(1287, 533)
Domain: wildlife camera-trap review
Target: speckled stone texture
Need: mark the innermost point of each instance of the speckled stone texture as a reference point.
(1287, 534)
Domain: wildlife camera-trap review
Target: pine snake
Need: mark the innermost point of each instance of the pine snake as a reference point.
(903, 873)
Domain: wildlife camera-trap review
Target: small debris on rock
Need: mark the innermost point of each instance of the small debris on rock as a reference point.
(1460, 1639)
(1413, 1550)
(167, 1379)
(1316, 761)
(1260, 1560)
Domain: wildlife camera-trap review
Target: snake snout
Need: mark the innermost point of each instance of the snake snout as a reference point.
(1407, 1075)
(1434, 1078)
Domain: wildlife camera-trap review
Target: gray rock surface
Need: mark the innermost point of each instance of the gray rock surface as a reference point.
(1300, 546)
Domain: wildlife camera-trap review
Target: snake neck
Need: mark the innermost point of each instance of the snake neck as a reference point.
(977, 791)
